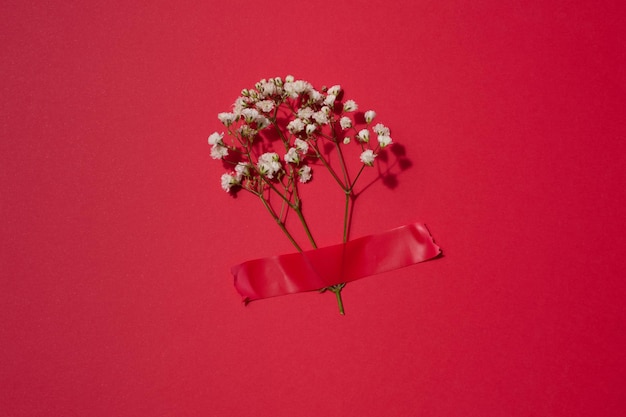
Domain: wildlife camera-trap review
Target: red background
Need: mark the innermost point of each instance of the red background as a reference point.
(116, 239)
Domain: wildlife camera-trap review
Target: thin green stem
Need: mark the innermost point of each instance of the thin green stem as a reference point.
(345, 217)
(342, 162)
(337, 290)
(273, 188)
(356, 178)
(306, 226)
(325, 163)
(280, 224)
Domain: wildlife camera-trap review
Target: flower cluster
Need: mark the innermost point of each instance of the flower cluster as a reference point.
(302, 117)
(278, 131)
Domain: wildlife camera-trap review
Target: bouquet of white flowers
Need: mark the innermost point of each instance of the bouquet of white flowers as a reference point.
(280, 129)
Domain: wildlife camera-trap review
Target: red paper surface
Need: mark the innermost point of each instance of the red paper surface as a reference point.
(116, 240)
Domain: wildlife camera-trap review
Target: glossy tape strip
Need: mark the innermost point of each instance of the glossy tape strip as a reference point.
(331, 265)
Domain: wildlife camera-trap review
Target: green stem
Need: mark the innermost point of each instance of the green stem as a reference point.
(280, 224)
(357, 177)
(345, 217)
(332, 171)
(304, 224)
(337, 290)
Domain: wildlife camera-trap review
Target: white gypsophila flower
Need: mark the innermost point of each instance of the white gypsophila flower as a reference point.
(301, 86)
(381, 130)
(265, 106)
(267, 89)
(289, 79)
(305, 173)
(218, 151)
(242, 169)
(367, 157)
(302, 145)
(334, 90)
(320, 117)
(247, 132)
(250, 115)
(228, 181)
(346, 140)
(216, 138)
(384, 140)
(345, 123)
(254, 96)
(239, 105)
(330, 100)
(315, 96)
(363, 135)
(227, 119)
(292, 156)
(262, 122)
(295, 126)
(310, 129)
(350, 106)
(269, 164)
(295, 88)
(369, 116)
(305, 113)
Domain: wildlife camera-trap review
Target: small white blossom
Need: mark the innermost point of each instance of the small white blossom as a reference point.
(228, 181)
(384, 140)
(265, 105)
(305, 113)
(216, 138)
(305, 173)
(242, 169)
(345, 123)
(218, 151)
(250, 115)
(269, 164)
(289, 79)
(320, 117)
(302, 145)
(267, 88)
(334, 90)
(381, 130)
(363, 135)
(295, 126)
(367, 157)
(369, 116)
(310, 129)
(247, 132)
(350, 106)
(315, 96)
(239, 105)
(227, 119)
(295, 88)
(330, 100)
(292, 156)
(346, 140)
(262, 122)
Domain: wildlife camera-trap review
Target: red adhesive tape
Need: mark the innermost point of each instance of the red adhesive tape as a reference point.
(331, 265)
